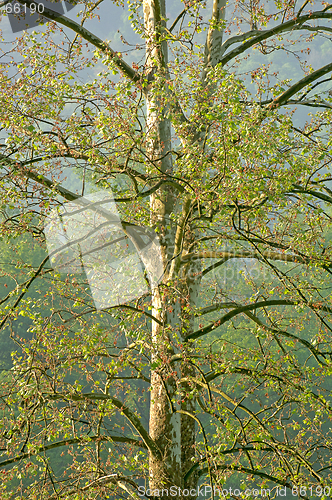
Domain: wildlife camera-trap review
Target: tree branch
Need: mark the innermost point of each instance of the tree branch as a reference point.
(65, 193)
(90, 37)
(176, 260)
(215, 307)
(247, 254)
(177, 19)
(131, 417)
(257, 36)
(67, 442)
(284, 97)
(247, 470)
(316, 194)
(248, 307)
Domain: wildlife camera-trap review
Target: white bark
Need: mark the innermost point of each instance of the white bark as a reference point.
(214, 37)
(165, 423)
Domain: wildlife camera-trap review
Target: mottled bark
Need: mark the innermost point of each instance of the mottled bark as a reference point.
(172, 431)
(214, 37)
(165, 423)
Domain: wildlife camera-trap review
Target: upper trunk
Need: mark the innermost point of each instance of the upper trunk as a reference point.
(214, 37)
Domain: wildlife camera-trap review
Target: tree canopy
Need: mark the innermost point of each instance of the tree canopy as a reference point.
(198, 145)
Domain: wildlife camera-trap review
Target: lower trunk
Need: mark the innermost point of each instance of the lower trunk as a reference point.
(172, 405)
(165, 422)
(165, 429)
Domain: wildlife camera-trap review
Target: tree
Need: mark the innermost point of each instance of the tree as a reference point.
(231, 351)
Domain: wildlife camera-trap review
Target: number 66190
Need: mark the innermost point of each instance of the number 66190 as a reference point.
(17, 8)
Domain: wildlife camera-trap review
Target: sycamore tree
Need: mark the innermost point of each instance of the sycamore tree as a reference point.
(210, 128)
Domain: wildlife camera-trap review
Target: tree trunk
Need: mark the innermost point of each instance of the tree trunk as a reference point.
(165, 422)
(171, 425)
(172, 407)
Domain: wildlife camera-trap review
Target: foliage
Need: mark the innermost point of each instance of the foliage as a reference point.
(221, 375)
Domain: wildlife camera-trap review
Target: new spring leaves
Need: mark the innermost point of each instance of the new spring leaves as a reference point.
(118, 258)
(25, 15)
